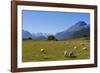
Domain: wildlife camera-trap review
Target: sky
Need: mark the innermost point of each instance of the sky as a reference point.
(51, 22)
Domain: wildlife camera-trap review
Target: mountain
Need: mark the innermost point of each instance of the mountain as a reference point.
(39, 36)
(34, 36)
(26, 34)
(80, 29)
(77, 30)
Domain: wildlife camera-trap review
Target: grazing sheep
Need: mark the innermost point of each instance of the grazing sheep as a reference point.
(84, 48)
(65, 53)
(43, 51)
(75, 47)
(71, 54)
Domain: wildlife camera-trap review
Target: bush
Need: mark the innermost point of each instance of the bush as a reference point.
(30, 38)
(85, 35)
(51, 37)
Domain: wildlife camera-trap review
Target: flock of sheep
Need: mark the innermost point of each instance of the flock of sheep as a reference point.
(70, 54)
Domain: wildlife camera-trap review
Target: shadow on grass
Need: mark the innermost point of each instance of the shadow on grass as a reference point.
(71, 56)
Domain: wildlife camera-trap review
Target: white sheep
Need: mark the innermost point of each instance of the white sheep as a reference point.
(75, 47)
(43, 51)
(71, 54)
(84, 48)
(65, 53)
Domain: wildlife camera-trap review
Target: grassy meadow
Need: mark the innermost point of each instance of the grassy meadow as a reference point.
(31, 51)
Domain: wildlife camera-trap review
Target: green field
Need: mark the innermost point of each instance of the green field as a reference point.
(31, 50)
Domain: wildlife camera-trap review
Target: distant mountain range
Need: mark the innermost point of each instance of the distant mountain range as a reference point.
(39, 36)
(34, 36)
(77, 30)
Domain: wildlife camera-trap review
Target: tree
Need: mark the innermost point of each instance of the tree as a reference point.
(51, 37)
(30, 38)
(85, 35)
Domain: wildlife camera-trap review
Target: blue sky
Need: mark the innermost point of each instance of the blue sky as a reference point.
(51, 22)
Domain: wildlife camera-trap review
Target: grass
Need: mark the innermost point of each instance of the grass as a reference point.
(31, 50)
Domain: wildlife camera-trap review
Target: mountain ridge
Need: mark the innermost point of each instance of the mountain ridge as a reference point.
(74, 30)
(79, 29)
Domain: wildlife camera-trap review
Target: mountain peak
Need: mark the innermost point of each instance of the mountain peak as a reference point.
(81, 23)
(77, 30)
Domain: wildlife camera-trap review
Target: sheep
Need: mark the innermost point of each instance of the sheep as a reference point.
(71, 54)
(75, 47)
(84, 48)
(65, 53)
(43, 51)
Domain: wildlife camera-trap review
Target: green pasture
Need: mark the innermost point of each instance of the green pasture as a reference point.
(31, 50)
